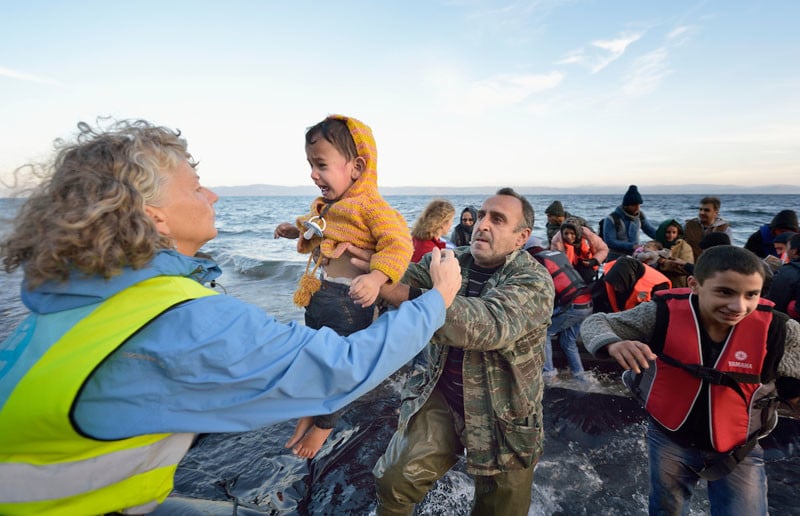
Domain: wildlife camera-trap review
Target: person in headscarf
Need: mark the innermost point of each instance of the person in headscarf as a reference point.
(462, 233)
(670, 235)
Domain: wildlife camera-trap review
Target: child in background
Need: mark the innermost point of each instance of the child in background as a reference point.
(650, 253)
(582, 246)
(785, 289)
(434, 221)
(343, 158)
(670, 235)
(781, 245)
(707, 362)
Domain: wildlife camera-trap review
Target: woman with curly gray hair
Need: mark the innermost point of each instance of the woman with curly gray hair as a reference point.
(126, 355)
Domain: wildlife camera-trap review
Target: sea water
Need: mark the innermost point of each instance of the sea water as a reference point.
(595, 456)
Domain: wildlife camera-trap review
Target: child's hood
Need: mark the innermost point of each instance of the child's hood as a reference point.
(661, 232)
(366, 148)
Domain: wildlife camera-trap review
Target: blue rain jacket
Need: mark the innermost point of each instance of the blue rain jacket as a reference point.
(214, 364)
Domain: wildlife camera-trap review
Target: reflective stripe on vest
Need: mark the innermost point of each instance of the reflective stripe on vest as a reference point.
(642, 290)
(673, 391)
(48, 465)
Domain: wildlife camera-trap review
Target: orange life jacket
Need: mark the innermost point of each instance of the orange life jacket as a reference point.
(641, 291)
(584, 254)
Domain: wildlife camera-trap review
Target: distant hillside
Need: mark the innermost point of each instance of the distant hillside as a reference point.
(700, 189)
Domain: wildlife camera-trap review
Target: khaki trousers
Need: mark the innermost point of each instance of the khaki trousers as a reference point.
(428, 447)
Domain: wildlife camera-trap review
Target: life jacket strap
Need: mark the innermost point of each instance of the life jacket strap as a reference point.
(714, 376)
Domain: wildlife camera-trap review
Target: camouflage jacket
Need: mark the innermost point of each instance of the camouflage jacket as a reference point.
(502, 333)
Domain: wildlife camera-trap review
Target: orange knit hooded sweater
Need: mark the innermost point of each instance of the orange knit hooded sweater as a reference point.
(361, 216)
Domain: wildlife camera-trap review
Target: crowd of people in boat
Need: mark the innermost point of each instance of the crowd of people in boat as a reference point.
(629, 258)
(127, 354)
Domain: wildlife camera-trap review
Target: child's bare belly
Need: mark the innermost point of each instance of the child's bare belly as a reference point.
(342, 268)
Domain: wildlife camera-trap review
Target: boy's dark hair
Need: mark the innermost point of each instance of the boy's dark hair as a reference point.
(337, 133)
(714, 239)
(527, 209)
(723, 258)
(714, 201)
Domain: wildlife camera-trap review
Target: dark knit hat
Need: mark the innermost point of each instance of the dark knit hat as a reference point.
(555, 209)
(785, 219)
(714, 239)
(632, 196)
(784, 237)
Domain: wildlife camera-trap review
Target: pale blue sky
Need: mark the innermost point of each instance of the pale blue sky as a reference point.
(458, 93)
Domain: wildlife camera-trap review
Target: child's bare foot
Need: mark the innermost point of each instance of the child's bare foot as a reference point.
(310, 444)
(303, 424)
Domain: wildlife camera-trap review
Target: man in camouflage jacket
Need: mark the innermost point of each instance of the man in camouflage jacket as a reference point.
(499, 327)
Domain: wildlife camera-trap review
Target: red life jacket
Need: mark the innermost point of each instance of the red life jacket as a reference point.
(641, 291)
(568, 283)
(793, 311)
(671, 392)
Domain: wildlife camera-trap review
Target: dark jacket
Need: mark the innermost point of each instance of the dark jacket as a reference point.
(761, 242)
(785, 286)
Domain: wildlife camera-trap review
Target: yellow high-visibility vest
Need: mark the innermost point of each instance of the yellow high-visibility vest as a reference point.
(47, 465)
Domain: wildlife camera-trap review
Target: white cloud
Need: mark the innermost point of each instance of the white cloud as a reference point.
(614, 48)
(573, 57)
(524, 15)
(22, 76)
(602, 53)
(502, 90)
(677, 31)
(647, 72)
(680, 35)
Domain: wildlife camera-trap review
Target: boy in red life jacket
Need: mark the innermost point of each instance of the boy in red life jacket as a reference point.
(709, 363)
